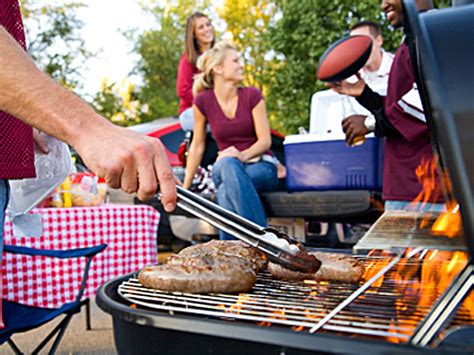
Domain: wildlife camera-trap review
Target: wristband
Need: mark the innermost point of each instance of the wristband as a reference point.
(369, 123)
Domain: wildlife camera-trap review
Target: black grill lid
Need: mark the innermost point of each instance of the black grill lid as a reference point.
(444, 43)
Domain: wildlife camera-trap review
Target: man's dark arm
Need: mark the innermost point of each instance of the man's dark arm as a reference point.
(375, 104)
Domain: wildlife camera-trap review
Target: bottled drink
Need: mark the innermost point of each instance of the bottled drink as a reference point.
(358, 141)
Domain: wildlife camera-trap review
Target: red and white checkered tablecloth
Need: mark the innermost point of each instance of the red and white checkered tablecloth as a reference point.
(129, 231)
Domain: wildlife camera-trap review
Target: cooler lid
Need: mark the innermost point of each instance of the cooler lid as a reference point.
(445, 54)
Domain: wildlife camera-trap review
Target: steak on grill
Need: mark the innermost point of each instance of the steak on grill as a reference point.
(213, 267)
(204, 274)
(334, 267)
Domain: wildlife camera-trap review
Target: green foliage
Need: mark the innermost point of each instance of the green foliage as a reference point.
(119, 103)
(55, 43)
(248, 22)
(160, 50)
(300, 37)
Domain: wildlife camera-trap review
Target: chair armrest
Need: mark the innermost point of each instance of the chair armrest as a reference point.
(62, 254)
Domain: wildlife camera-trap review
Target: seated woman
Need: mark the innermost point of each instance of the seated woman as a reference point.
(238, 120)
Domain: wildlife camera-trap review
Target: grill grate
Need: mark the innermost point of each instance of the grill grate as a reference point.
(390, 309)
(406, 229)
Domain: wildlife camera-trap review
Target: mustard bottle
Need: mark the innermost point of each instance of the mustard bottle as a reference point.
(66, 190)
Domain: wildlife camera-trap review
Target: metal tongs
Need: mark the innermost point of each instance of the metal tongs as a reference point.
(279, 247)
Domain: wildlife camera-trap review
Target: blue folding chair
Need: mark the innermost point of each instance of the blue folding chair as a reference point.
(20, 318)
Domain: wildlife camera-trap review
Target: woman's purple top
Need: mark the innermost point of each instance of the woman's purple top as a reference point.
(238, 131)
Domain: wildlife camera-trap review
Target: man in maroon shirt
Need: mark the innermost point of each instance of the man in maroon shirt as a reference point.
(400, 119)
(127, 160)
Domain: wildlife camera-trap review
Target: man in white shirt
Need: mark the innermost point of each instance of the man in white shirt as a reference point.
(329, 110)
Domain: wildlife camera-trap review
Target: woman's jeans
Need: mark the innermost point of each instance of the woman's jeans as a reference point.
(238, 185)
(409, 206)
(4, 196)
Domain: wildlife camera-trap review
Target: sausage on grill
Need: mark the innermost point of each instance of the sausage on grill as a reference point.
(334, 267)
(206, 274)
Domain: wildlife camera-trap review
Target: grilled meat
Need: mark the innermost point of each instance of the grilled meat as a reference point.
(227, 247)
(334, 267)
(206, 274)
(213, 267)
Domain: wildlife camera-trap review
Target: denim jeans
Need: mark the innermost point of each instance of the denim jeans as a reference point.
(238, 185)
(4, 196)
(407, 206)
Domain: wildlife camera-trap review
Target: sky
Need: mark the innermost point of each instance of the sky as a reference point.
(103, 21)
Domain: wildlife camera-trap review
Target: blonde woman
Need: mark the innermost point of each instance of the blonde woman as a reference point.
(238, 121)
(199, 37)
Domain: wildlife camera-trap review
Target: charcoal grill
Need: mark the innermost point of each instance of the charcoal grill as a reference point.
(381, 314)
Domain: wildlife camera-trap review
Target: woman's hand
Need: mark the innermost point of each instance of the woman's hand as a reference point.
(346, 88)
(231, 152)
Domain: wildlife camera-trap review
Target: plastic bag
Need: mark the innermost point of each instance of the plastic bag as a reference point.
(25, 194)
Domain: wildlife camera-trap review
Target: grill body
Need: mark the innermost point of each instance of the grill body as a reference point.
(143, 331)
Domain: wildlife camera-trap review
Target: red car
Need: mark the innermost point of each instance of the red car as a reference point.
(169, 131)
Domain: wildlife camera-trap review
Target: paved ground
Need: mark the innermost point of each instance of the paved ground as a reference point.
(76, 340)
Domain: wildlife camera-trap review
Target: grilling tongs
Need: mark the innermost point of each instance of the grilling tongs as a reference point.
(279, 247)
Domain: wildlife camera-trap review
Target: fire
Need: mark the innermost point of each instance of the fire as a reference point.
(376, 265)
(235, 307)
(448, 223)
(426, 174)
(419, 281)
(277, 314)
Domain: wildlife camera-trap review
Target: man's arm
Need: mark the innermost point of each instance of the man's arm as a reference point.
(374, 102)
(370, 100)
(133, 162)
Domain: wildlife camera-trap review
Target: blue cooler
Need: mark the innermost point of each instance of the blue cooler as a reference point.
(316, 164)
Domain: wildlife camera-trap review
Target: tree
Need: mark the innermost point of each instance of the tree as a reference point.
(304, 32)
(55, 43)
(119, 103)
(247, 23)
(160, 50)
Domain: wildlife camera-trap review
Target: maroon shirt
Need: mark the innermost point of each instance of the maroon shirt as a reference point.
(404, 151)
(16, 138)
(238, 131)
(184, 83)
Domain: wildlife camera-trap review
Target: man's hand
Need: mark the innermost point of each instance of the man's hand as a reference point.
(40, 141)
(130, 161)
(346, 88)
(353, 126)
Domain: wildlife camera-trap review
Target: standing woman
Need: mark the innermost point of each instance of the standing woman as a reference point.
(198, 38)
(238, 121)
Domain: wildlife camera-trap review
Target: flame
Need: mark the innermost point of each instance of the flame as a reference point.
(426, 175)
(419, 282)
(448, 223)
(277, 314)
(237, 306)
(376, 265)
